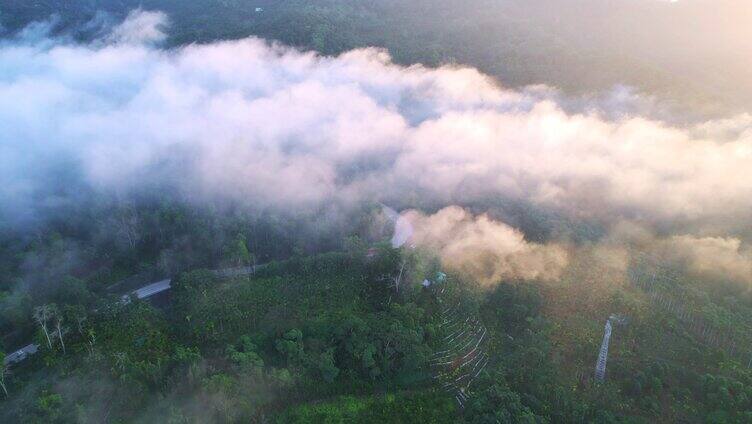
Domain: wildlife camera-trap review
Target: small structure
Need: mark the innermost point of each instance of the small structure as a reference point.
(259, 9)
(21, 354)
(150, 290)
(440, 278)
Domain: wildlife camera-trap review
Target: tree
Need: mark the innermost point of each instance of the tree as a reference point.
(77, 314)
(71, 291)
(127, 226)
(291, 345)
(355, 247)
(4, 369)
(383, 272)
(236, 253)
(326, 365)
(398, 278)
(42, 315)
(136, 338)
(244, 355)
(49, 407)
(60, 330)
(498, 403)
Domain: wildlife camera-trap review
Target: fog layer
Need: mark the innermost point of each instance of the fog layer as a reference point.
(269, 126)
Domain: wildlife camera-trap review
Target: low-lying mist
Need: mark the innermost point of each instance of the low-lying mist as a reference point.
(273, 128)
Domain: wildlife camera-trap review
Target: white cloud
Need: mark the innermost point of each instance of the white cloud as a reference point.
(486, 249)
(719, 258)
(270, 125)
(140, 27)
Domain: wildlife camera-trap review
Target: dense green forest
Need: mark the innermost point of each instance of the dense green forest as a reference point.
(329, 337)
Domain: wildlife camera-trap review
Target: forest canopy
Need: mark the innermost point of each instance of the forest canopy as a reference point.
(197, 223)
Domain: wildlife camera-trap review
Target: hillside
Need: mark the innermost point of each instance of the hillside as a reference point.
(327, 338)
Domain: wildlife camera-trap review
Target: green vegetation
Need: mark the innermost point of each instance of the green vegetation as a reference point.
(332, 338)
(229, 349)
(401, 407)
(325, 331)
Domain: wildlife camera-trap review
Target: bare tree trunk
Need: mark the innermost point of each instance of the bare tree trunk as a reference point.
(398, 280)
(42, 314)
(47, 334)
(90, 344)
(128, 227)
(60, 333)
(2, 381)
